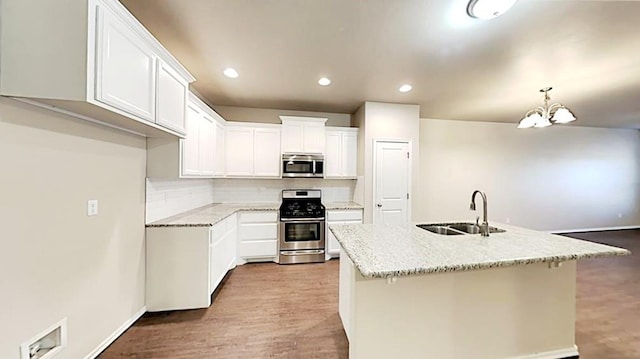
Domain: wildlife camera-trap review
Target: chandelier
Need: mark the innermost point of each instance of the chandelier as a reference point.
(547, 115)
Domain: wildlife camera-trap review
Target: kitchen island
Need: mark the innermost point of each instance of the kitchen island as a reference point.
(406, 292)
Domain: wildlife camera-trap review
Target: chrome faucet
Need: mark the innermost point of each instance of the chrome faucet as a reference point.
(484, 227)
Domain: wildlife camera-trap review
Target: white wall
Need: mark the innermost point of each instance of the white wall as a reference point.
(384, 121)
(264, 190)
(267, 115)
(168, 197)
(556, 178)
(56, 262)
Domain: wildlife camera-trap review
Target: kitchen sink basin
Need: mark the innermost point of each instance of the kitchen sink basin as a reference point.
(440, 230)
(456, 228)
(472, 228)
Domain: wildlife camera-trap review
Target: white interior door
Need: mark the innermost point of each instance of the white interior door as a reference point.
(392, 176)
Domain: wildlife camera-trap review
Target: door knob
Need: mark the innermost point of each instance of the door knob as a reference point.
(379, 205)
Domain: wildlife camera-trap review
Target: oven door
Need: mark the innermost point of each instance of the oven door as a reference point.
(301, 234)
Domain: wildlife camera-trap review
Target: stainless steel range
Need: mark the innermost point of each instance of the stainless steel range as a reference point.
(302, 222)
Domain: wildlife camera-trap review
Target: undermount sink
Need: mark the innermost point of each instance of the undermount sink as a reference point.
(456, 228)
(440, 230)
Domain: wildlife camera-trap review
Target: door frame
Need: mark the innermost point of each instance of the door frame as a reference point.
(374, 174)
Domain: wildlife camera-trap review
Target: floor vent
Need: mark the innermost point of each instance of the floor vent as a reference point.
(47, 344)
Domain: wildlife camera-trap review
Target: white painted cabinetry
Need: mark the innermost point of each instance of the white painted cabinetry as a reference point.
(172, 98)
(303, 134)
(257, 236)
(219, 149)
(339, 216)
(108, 68)
(125, 67)
(252, 150)
(186, 264)
(223, 250)
(341, 154)
(196, 154)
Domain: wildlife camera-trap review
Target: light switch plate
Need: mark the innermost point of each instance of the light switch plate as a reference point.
(92, 207)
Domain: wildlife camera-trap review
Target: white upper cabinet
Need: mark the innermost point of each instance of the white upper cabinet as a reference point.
(172, 98)
(108, 68)
(199, 154)
(341, 156)
(266, 152)
(206, 146)
(219, 152)
(239, 151)
(125, 67)
(252, 150)
(303, 134)
(191, 143)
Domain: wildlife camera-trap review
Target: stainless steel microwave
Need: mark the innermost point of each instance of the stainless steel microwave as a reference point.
(303, 165)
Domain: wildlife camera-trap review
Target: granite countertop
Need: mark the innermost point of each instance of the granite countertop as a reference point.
(380, 251)
(213, 213)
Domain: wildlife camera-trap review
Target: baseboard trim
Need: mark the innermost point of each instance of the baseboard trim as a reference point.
(596, 229)
(567, 353)
(118, 332)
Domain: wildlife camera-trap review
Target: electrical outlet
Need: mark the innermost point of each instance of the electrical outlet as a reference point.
(92, 207)
(619, 215)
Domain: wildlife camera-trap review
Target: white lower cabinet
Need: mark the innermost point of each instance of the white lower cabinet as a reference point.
(257, 236)
(186, 264)
(341, 216)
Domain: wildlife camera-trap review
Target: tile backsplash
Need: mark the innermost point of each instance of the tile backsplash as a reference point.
(262, 190)
(166, 198)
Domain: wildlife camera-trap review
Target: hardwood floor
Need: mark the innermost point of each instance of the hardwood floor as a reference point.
(272, 311)
(608, 299)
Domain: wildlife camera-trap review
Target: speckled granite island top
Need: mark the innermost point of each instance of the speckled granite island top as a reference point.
(211, 214)
(380, 251)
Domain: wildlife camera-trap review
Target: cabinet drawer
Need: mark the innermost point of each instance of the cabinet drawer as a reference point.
(257, 249)
(258, 231)
(344, 215)
(258, 217)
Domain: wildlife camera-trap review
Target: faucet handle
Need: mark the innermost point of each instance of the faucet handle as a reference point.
(477, 220)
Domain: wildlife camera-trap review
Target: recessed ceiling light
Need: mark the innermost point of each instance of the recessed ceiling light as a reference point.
(405, 88)
(231, 72)
(324, 81)
(488, 9)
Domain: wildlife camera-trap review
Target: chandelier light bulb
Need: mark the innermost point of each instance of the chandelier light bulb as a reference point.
(563, 115)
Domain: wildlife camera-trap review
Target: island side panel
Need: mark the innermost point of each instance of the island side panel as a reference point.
(509, 312)
(345, 292)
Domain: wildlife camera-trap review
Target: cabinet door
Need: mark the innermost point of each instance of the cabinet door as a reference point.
(239, 151)
(206, 145)
(172, 98)
(191, 143)
(125, 68)
(217, 265)
(333, 154)
(333, 247)
(349, 154)
(292, 137)
(219, 151)
(314, 140)
(266, 152)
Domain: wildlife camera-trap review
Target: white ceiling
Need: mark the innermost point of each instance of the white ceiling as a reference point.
(460, 68)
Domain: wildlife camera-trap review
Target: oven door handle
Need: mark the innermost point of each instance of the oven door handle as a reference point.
(309, 220)
(297, 253)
